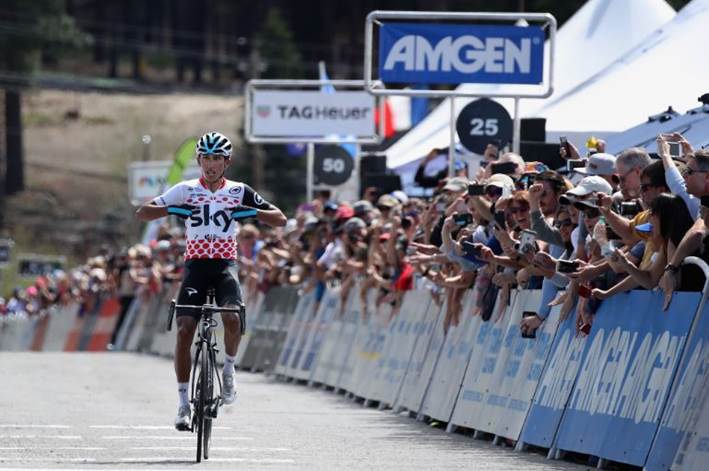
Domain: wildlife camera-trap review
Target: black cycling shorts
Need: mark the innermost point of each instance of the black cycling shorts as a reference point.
(202, 274)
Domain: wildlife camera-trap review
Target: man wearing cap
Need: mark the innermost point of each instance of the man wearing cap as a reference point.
(602, 165)
(363, 210)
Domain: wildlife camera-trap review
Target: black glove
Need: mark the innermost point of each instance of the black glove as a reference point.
(183, 211)
(242, 212)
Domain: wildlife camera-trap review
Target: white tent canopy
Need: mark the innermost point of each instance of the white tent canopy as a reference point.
(595, 36)
(671, 67)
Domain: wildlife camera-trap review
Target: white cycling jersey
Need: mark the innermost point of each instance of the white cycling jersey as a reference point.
(210, 231)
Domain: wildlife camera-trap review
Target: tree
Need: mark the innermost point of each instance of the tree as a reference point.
(277, 48)
(29, 31)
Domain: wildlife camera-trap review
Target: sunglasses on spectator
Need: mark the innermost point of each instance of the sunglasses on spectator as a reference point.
(621, 178)
(383, 208)
(563, 223)
(591, 213)
(689, 171)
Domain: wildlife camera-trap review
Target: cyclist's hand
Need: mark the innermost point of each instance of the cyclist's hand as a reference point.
(183, 211)
(238, 213)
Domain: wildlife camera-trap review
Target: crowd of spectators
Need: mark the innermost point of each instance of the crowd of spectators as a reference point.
(603, 225)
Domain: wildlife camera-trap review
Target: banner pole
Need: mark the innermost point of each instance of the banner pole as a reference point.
(516, 128)
(451, 147)
(309, 171)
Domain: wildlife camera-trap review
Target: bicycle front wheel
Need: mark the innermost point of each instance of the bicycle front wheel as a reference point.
(200, 406)
(208, 383)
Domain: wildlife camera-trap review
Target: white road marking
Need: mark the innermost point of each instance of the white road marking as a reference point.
(219, 448)
(168, 437)
(147, 427)
(58, 437)
(158, 459)
(33, 426)
(33, 448)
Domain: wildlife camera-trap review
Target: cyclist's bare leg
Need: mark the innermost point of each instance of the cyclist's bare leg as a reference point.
(186, 327)
(232, 332)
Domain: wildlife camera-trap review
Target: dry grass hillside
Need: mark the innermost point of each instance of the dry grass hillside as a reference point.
(77, 148)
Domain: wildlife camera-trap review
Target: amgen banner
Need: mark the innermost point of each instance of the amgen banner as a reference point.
(456, 53)
(312, 114)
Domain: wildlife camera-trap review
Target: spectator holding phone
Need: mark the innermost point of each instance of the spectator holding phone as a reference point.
(673, 175)
(669, 220)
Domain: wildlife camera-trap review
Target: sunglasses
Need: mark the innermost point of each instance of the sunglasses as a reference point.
(617, 179)
(591, 213)
(690, 171)
(564, 223)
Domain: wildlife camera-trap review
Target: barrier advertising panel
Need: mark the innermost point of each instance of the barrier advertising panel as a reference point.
(353, 324)
(328, 308)
(300, 316)
(684, 404)
(489, 342)
(555, 385)
(448, 375)
(399, 346)
(327, 365)
(624, 379)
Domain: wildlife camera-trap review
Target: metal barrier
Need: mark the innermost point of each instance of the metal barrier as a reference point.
(633, 391)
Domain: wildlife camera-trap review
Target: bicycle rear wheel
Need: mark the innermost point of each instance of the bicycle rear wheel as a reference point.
(208, 383)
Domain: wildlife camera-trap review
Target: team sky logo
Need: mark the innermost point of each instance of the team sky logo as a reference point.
(203, 216)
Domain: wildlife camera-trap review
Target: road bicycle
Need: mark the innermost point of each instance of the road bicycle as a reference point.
(205, 400)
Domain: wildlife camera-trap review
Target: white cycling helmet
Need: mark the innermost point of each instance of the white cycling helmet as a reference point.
(214, 143)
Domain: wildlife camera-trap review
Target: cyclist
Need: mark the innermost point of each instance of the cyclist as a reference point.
(209, 205)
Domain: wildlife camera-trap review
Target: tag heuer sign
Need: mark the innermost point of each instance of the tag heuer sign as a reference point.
(312, 114)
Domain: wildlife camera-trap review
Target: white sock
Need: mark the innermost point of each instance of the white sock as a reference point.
(182, 389)
(229, 365)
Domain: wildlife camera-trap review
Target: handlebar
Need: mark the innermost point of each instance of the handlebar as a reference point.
(203, 308)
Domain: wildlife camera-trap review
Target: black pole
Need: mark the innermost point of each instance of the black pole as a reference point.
(14, 171)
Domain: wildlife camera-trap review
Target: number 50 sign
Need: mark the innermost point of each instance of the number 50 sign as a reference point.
(481, 122)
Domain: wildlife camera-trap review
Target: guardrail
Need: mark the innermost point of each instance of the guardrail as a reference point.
(633, 391)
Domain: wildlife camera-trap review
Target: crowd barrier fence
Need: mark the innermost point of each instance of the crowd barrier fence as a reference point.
(633, 391)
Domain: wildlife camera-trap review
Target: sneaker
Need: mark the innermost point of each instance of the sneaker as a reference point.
(183, 419)
(229, 392)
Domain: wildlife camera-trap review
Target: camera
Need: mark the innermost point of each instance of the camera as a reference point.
(470, 249)
(526, 241)
(507, 168)
(564, 266)
(476, 189)
(675, 149)
(630, 209)
(463, 219)
(572, 165)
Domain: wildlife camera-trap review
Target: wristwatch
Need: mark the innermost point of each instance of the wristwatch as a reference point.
(671, 268)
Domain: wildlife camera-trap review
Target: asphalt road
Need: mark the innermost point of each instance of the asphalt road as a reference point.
(115, 410)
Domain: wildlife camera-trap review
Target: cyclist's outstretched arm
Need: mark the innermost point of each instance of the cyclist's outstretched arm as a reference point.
(266, 212)
(150, 211)
(160, 207)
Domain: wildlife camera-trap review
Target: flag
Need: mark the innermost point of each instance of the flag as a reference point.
(388, 119)
(350, 147)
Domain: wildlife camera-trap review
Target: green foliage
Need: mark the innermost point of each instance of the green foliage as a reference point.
(277, 47)
(31, 28)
